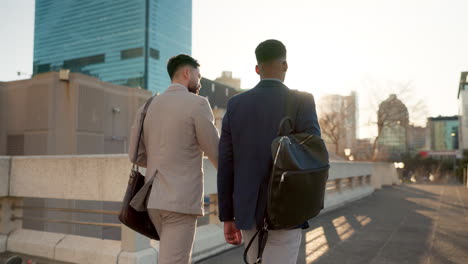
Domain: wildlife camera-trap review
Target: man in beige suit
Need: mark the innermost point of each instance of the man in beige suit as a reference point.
(177, 130)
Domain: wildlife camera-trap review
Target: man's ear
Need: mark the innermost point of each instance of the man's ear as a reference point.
(257, 69)
(285, 66)
(186, 72)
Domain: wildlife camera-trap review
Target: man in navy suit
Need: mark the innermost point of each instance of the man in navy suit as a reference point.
(249, 126)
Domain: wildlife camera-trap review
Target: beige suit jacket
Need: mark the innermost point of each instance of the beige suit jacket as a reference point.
(178, 128)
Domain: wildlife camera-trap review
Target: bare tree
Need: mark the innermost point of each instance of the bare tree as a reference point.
(331, 124)
(335, 114)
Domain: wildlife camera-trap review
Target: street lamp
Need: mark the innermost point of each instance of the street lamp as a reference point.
(347, 152)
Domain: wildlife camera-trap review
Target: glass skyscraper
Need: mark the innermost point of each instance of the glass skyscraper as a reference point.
(126, 42)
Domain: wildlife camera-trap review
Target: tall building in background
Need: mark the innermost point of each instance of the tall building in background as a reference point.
(416, 139)
(338, 117)
(125, 42)
(463, 111)
(227, 79)
(392, 122)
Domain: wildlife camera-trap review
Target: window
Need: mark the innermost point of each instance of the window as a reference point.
(135, 82)
(77, 64)
(154, 53)
(43, 68)
(131, 53)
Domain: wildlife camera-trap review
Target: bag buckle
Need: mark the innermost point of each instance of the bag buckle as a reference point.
(258, 261)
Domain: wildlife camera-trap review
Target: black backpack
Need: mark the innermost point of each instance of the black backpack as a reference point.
(296, 188)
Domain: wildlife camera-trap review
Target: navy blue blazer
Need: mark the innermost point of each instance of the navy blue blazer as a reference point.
(249, 126)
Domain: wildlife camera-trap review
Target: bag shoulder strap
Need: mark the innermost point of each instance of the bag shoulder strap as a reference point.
(288, 123)
(262, 239)
(291, 104)
(143, 116)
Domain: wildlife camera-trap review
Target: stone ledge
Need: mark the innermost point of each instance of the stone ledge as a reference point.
(209, 241)
(3, 242)
(79, 249)
(147, 256)
(34, 243)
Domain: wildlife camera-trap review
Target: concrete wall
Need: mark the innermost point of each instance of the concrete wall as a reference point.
(54, 117)
(104, 178)
(96, 177)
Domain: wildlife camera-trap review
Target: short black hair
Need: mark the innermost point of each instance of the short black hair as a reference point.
(270, 50)
(178, 61)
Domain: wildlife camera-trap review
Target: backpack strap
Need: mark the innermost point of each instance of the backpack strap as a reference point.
(288, 123)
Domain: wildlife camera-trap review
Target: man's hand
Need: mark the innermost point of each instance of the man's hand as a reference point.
(231, 233)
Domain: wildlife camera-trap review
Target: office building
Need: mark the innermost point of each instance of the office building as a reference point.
(392, 122)
(442, 133)
(463, 111)
(124, 42)
(416, 139)
(338, 117)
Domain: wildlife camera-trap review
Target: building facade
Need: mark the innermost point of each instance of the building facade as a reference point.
(416, 139)
(124, 42)
(463, 111)
(338, 116)
(227, 79)
(442, 133)
(218, 95)
(363, 149)
(392, 122)
(66, 115)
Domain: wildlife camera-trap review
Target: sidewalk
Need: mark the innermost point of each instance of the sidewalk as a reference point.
(425, 224)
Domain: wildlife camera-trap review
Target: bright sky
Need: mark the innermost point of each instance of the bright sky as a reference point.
(334, 46)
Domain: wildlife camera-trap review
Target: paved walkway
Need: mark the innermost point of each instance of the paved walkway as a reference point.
(425, 224)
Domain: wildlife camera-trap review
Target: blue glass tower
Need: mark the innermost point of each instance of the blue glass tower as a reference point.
(126, 42)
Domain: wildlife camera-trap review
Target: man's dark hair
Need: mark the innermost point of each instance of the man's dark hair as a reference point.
(178, 61)
(270, 50)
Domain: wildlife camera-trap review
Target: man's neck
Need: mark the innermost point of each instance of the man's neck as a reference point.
(176, 83)
(270, 79)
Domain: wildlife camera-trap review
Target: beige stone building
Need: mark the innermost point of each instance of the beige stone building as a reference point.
(338, 117)
(218, 95)
(227, 79)
(66, 113)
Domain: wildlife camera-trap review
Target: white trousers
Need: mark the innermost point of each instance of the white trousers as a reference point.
(177, 233)
(282, 246)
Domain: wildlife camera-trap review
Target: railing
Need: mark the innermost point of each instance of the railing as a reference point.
(104, 178)
(72, 210)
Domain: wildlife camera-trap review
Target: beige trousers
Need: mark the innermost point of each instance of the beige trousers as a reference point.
(282, 246)
(177, 232)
